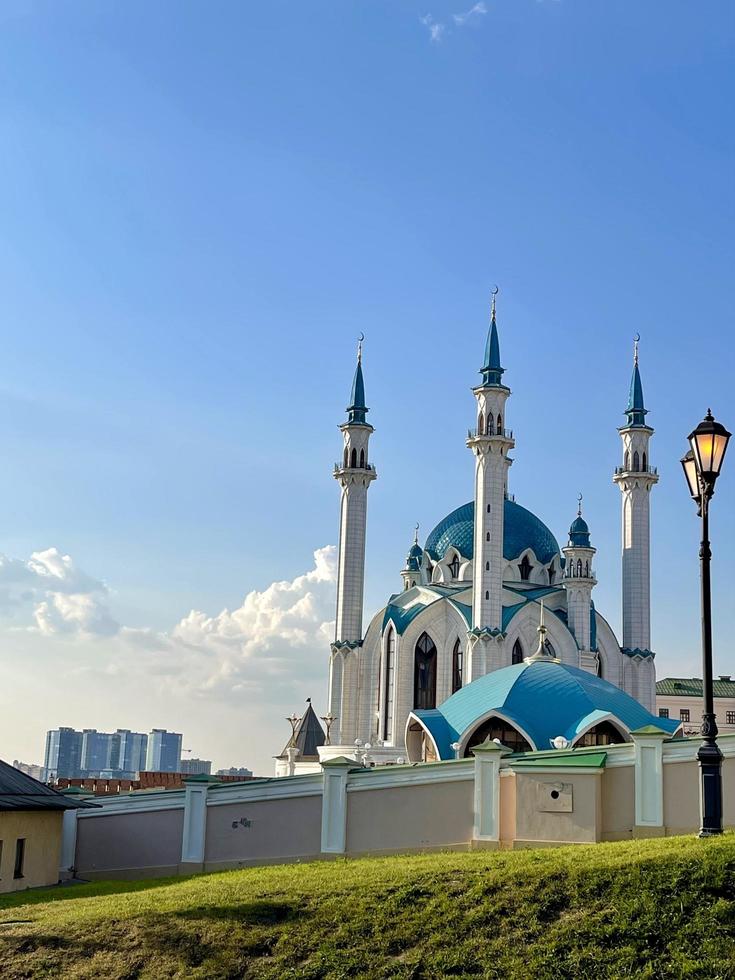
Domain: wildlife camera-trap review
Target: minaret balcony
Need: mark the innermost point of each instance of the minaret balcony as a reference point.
(642, 470)
(365, 468)
(506, 434)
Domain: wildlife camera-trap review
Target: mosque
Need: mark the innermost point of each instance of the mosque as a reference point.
(495, 633)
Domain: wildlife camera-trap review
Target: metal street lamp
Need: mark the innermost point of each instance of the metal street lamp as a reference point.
(702, 465)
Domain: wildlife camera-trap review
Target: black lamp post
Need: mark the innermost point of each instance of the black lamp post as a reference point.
(702, 466)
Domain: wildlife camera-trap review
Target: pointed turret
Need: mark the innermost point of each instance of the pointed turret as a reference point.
(357, 409)
(579, 581)
(411, 574)
(491, 370)
(636, 410)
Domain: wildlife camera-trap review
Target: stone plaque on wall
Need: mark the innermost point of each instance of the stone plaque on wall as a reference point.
(552, 797)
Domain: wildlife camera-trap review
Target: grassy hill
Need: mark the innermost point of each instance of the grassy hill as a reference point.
(662, 908)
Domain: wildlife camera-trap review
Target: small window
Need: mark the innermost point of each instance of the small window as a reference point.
(480, 425)
(499, 430)
(488, 508)
(645, 462)
(626, 464)
(684, 714)
(20, 853)
(579, 568)
(487, 595)
(517, 655)
(489, 423)
(354, 459)
(525, 568)
(454, 567)
(347, 457)
(730, 717)
(487, 566)
(456, 667)
(552, 573)
(663, 712)
(362, 459)
(487, 536)
(636, 462)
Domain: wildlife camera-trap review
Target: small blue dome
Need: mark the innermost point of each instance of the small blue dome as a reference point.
(522, 530)
(579, 533)
(542, 699)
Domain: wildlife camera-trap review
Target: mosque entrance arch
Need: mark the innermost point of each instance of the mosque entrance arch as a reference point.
(604, 733)
(501, 729)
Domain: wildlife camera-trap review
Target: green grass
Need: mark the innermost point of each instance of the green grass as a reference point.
(663, 908)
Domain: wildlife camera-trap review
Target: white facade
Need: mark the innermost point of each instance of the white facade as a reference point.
(471, 596)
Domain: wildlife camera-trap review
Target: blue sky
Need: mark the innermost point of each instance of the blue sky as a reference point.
(203, 205)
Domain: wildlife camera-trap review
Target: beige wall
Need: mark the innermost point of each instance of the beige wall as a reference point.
(144, 844)
(579, 825)
(410, 817)
(681, 797)
(42, 834)
(281, 828)
(675, 702)
(617, 803)
(508, 808)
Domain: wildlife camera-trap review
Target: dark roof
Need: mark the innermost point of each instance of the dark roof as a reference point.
(19, 791)
(691, 687)
(308, 736)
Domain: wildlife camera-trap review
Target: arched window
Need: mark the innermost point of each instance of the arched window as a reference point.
(552, 573)
(487, 594)
(586, 569)
(454, 567)
(390, 658)
(487, 536)
(626, 464)
(549, 649)
(362, 459)
(489, 423)
(603, 734)
(503, 731)
(480, 425)
(636, 461)
(525, 568)
(347, 457)
(645, 463)
(354, 459)
(499, 429)
(579, 568)
(424, 673)
(487, 566)
(517, 655)
(488, 508)
(456, 666)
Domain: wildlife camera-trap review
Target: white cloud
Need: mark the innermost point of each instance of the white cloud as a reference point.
(470, 16)
(436, 30)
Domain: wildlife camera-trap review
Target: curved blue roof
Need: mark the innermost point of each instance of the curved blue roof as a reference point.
(543, 698)
(522, 530)
(579, 533)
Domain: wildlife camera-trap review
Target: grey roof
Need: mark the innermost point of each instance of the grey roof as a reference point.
(308, 735)
(19, 791)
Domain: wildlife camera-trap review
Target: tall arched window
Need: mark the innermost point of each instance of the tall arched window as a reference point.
(525, 568)
(499, 429)
(636, 461)
(645, 462)
(424, 673)
(362, 459)
(586, 569)
(481, 425)
(390, 659)
(487, 566)
(347, 457)
(353, 459)
(456, 666)
(517, 655)
(489, 423)
(454, 567)
(579, 568)
(626, 464)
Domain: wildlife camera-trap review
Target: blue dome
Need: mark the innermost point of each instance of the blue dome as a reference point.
(543, 699)
(522, 530)
(579, 533)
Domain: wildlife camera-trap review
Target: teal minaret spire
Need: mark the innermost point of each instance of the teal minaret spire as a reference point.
(636, 410)
(491, 370)
(357, 408)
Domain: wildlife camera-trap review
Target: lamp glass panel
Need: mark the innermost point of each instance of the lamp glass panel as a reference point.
(690, 472)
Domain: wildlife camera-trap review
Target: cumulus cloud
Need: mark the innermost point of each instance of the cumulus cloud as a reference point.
(435, 29)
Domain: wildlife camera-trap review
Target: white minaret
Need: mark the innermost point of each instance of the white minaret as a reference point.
(635, 478)
(579, 581)
(490, 444)
(354, 474)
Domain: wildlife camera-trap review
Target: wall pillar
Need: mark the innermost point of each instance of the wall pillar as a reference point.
(649, 781)
(334, 805)
(68, 857)
(195, 823)
(487, 793)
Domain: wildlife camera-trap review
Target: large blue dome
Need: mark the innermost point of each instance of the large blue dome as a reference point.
(542, 699)
(522, 530)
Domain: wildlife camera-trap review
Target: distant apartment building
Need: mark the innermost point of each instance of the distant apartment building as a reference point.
(195, 767)
(63, 756)
(680, 698)
(164, 751)
(96, 749)
(235, 771)
(30, 769)
(132, 750)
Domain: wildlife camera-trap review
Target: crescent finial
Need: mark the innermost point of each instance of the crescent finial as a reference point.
(636, 341)
(579, 504)
(494, 293)
(359, 346)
